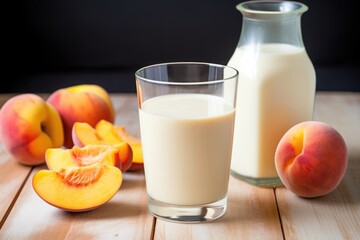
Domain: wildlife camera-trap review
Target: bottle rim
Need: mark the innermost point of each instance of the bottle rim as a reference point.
(259, 8)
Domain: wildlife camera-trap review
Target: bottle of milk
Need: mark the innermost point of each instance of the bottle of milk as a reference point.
(276, 86)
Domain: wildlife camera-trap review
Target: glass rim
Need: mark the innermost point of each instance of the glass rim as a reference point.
(289, 7)
(233, 75)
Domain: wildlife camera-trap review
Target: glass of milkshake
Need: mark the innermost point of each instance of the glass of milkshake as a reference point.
(187, 112)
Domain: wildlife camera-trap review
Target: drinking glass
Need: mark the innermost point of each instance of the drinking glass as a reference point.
(187, 112)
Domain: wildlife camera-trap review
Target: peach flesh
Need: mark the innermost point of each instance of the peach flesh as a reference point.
(106, 133)
(78, 189)
(118, 155)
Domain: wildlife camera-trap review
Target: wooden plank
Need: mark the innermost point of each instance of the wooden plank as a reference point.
(251, 214)
(124, 217)
(251, 211)
(336, 215)
(12, 176)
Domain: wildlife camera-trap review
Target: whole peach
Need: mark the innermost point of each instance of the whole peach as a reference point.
(81, 103)
(28, 127)
(311, 159)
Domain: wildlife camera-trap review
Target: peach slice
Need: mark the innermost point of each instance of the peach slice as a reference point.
(118, 155)
(135, 143)
(107, 133)
(78, 189)
(84, 134)
(115, 134)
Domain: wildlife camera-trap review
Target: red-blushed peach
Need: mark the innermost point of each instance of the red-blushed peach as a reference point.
(28, 127)
(100, 91)
(81, 103)
(311, 159)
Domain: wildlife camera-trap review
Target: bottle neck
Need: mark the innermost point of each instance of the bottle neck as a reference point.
(286, 31)
(271, 22)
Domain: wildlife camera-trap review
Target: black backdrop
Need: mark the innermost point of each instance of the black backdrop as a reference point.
(53, 44)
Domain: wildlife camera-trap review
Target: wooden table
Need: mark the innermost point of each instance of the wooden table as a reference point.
(253, 213)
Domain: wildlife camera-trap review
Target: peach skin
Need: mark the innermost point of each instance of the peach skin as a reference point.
(28, 127)
(311, 159)
(81, 103)
(135, 143)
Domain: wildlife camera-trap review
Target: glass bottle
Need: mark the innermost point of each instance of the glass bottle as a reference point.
(276, 87)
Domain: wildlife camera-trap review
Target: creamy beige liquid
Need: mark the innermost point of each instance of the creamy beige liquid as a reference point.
(276, 90)
(187, 141)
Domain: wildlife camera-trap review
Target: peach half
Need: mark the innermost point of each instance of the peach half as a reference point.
(78, 189)
(311, 159)
(114, 155)
(106, 133)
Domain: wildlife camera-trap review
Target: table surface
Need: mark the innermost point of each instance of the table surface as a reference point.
(253, 212)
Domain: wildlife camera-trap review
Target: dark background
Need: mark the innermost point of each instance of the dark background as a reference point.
(54, 44)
